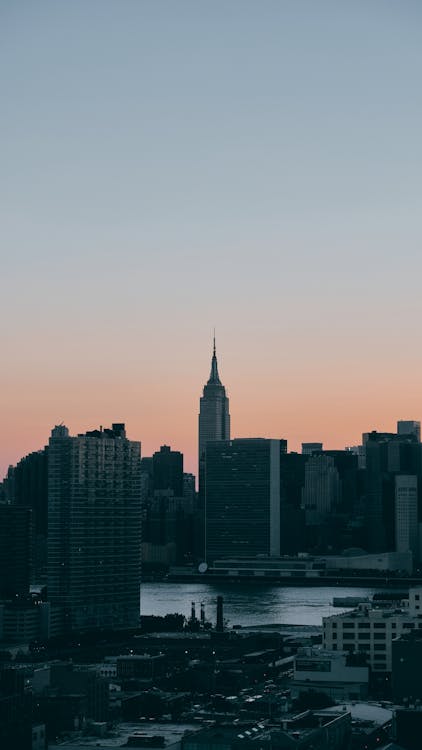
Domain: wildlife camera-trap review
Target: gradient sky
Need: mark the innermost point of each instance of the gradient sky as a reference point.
(167, 167)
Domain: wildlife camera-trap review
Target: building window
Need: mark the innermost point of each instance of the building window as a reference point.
(379, 625)
(348, 625)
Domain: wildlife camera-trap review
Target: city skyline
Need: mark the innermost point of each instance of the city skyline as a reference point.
(191, 458)
(211, 374)
(171, 167)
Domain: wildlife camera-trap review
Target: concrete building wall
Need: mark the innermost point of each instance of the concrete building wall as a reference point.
(372, 631)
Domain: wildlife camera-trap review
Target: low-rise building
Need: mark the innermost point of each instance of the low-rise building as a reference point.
(309, 730)
(371, 630)
(333, 672)
(303, 566)
(141, 666)
(388, 561)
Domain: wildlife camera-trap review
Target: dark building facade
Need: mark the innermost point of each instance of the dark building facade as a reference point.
(168, 529)
(387, 455)
(15, 711)
(94, 533)
(331, 501)
(292, 514)
(242, 497)
(409, 427)
(406, 653)
(28, 486)
(167, 470)
(16, 545)
(214, 417)
(169, 505)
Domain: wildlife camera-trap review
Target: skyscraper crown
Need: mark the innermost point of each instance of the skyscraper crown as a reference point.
(214, 377)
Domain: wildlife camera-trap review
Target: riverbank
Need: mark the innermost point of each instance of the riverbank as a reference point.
(351, 581)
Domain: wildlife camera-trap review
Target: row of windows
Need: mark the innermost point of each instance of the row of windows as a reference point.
(367, 625)
(361, 636)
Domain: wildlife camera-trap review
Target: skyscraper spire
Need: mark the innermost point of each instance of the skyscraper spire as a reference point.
(214, 424)
(214, 377)
(214, 417)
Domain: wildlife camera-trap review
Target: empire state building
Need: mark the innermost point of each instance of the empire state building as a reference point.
(214, 417)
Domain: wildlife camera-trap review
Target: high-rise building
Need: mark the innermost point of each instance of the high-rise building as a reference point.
(167, 470)
(29, 489)
(387, 454)
(292, 514)
(15, 550)
(322, 489)
(309, 448)
(94, 528)
(409, 427)
(406, 514)
(242, 498)
(359, 451)
(214, 417)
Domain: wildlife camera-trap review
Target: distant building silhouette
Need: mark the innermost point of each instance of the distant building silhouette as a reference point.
(292, 514)
(214, 417)
(28, 484)
(169, 502)
(94, 528)
(322, 490)
(406, 514)
(242, 497)
(167, 470)
(309, 448)
(409, 427)
(359, 451)
(15, 550)
(213, 424)
(189, 486)
(387, 454)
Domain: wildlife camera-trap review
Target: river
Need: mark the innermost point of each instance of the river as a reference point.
(248, 604)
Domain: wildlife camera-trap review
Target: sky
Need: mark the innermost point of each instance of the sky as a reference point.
(171, 167)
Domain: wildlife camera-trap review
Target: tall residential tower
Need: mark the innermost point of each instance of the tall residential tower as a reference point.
(94, 528)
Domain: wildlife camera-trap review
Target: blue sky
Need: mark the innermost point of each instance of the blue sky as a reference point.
(171, 166)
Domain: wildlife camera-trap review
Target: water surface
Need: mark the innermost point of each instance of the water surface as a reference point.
(248, 604)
